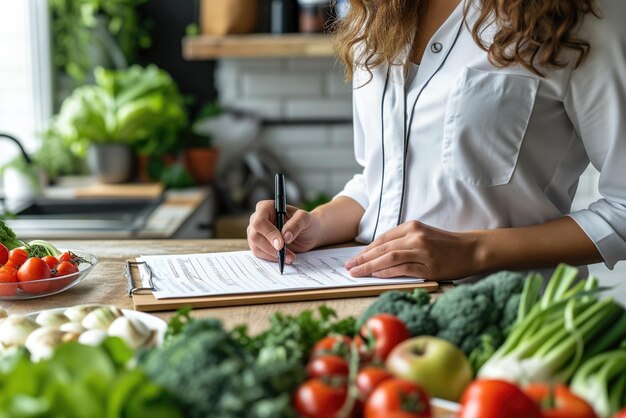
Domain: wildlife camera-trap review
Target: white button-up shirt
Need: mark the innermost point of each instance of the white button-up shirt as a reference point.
(494, 147)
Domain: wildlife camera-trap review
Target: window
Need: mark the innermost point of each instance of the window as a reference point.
(25, 73)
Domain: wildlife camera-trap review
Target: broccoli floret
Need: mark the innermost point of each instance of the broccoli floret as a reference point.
(8, 237)
(214, 375)
(412, 308)
(468, 314)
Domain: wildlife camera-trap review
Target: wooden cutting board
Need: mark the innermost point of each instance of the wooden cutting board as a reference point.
(121, 191)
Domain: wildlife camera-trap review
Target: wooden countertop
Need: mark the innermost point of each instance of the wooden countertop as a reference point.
(106, 283)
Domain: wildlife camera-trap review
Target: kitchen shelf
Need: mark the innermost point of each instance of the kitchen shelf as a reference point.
(206, 47)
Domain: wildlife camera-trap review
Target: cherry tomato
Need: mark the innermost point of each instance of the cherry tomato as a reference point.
(316, 398)
(621, 414)
(8, 281)
(4, 254)
(564, 404)
(333, 344)
(497, 399)
(65, 268)
(51, 261)
(328, 366)
(382, 333)
(17, 257)
(30, 274)
(398, 398)
(68, 256)
(369, 378)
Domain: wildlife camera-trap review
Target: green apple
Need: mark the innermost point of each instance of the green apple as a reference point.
(435, 364)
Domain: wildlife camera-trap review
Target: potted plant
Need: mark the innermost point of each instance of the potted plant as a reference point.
(200, 156)
(138, 108)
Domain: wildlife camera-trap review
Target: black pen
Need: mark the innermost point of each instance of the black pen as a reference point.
(280, 204)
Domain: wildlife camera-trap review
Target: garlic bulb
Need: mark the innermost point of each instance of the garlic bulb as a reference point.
(78, 312)
(101, 318)
(72, 328)
(42, 342)
(15, 330)
(51, 319)
(135, 333)
(92, 337)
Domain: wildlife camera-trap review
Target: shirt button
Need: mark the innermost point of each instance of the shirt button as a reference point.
(436, 47)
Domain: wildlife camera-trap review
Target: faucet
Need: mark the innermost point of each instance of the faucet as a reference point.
(19, 145)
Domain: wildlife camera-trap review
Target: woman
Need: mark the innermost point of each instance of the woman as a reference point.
(473, 122)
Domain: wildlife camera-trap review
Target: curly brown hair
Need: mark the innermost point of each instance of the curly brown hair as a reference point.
(531, 33)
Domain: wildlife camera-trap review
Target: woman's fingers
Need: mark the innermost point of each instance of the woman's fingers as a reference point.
(299, 221)
(263, 249)
(403, 270)
(261, 222)
(385, 261)
(397, 232)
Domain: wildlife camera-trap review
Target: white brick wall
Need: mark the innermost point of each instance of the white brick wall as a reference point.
(310, 91)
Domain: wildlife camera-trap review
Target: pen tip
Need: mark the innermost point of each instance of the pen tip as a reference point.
(282, 268)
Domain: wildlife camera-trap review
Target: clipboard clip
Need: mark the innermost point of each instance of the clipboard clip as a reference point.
(132, 289)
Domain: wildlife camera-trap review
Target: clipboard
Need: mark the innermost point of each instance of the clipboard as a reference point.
(144, 300)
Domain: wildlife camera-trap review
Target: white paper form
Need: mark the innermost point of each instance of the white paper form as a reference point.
(240, 272)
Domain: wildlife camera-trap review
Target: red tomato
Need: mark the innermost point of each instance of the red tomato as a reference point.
(65, 268)
(565, 403)
(318, 399)
(621, 414)
(50, 261)
(8, 281)
(328, 366)
(369, 378)
(31, 272)
(4, 254)
(382, 333)
(69, 256)
(497, 399)
(398, 398)
(333, 344)
(17, 257)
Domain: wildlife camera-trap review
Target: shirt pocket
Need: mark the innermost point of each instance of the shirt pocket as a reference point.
(485, 124)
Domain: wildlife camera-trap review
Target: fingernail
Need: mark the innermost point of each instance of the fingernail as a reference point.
(350, 264)
(288, 237)
(277, 244)
(289, 260)
(357, 271)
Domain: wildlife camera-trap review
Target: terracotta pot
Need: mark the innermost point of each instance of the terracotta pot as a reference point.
(201, 163)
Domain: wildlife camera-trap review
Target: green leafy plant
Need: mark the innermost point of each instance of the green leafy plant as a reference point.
(81, 381)
(140, 107)
(79, 25)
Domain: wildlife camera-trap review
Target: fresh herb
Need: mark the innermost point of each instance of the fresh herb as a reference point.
(8, 237)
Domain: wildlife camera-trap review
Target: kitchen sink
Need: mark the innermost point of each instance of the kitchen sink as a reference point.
(49, 215)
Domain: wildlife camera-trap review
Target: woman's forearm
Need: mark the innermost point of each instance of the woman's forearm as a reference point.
(339, 220)
(537, 246)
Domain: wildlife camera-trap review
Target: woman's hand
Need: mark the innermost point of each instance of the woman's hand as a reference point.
(417, 250)
(301, 232)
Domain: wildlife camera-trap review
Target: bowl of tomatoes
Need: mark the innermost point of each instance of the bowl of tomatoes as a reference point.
(27, 277)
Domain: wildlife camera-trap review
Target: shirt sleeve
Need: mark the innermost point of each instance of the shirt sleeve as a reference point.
(356, 188)
(596, 104)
